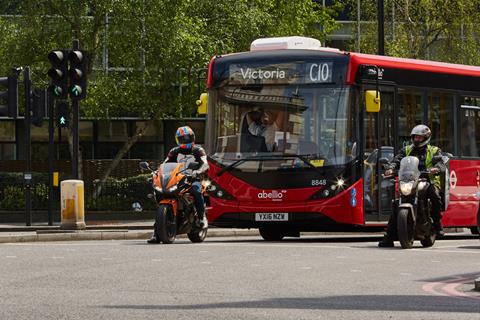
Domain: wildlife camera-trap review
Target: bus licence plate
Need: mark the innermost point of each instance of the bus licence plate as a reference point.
(271, 216)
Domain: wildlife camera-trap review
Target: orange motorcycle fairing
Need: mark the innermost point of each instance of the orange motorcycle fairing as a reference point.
(171, 202)
(176, 177)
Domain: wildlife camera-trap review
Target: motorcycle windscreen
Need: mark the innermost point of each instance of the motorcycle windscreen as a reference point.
(409, 169)
(168, 170)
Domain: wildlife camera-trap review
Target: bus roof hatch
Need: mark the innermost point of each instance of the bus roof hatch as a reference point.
(285, 43)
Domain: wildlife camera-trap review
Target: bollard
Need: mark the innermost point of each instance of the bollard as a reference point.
(72, 205)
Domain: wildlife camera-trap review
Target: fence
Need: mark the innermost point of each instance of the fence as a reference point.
(125, 190)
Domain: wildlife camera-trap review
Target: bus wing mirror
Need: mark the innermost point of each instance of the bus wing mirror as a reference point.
(202, 104)
(372, 101)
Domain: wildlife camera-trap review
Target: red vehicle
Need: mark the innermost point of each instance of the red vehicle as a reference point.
(294, 144)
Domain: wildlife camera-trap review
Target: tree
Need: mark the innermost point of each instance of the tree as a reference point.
(424, 29)
(141, 51)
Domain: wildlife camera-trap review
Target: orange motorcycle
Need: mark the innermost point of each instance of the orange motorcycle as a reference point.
(176, 213)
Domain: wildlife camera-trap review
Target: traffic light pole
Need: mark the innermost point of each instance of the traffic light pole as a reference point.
(51, 150)
(27, 175)
(381, 31)
(75, 120)
(75, 108)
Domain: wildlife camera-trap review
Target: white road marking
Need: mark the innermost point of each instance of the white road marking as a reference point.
(156, 260)
(254, 265)
(405, 274)
(306, 268)
(205, 262)
(58, 257)
(203, 251)
(11, 257)
(355, 270)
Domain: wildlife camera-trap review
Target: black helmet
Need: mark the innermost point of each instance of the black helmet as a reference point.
(423, 131)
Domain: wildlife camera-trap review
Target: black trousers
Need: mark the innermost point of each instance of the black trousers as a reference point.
(433, 193)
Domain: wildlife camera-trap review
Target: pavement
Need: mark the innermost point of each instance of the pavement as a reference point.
(98, 230)
(137, 229)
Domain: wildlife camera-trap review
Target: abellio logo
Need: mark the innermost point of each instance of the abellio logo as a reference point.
(273, 195)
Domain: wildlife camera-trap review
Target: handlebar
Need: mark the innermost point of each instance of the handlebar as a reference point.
(395, 173)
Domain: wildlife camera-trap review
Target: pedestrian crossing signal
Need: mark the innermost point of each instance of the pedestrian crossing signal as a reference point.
(63, 115)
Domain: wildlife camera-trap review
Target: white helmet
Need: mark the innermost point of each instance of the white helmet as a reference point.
(423, 131)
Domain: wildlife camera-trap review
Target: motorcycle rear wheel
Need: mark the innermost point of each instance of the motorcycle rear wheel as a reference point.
(165, 225)
(405, 229)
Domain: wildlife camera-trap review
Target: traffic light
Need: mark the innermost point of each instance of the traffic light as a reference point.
(63, 115)
(202, 103)
(58, 73)
(77, 74)
(9, 97)
(39, 106)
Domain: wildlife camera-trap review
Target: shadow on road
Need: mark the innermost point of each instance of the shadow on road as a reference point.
(416, 303)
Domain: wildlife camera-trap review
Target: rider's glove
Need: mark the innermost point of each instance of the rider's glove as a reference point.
(434, 170)
(196, 173)
(388, 172)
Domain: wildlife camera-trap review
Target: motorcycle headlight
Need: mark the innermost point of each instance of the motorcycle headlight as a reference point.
(158, 189)
(173, 189)
(406, 188)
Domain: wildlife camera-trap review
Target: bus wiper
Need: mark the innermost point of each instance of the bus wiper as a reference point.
(251, 158)
(262, 158)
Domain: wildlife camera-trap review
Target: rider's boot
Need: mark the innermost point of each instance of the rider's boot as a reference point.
(202, 221)
(386, 242)
(437, 226)
(153, 240)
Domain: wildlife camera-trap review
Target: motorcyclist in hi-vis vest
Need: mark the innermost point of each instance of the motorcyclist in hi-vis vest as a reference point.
(420, 148)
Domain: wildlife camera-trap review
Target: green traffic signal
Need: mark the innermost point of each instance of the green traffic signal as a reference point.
(75, 90)
(77, 73)
(57, 91)
(58, 73)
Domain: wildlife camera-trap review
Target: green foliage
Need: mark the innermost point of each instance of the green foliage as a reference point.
(117, 195)
(120, 194)
(423, 29)
(152, 45)
(13, 198)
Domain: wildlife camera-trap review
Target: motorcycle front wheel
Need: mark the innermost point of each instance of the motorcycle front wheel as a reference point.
(165, 225)
(405, 228)
(197, 235)
(429, 240)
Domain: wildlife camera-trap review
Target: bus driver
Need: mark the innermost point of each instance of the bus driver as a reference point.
(263, 123)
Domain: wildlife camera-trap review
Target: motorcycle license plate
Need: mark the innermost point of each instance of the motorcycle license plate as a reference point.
(271, 216)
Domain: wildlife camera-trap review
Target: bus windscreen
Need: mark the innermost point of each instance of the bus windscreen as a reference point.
(315, 122)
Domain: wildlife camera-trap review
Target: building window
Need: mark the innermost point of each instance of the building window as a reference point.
(112, 131)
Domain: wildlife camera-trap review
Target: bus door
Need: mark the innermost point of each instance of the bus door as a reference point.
(379, 136)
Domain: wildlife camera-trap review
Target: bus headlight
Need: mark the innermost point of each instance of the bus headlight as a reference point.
(406, 187)
(216, 191)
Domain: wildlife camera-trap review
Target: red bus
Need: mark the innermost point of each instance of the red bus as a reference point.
(292, 147)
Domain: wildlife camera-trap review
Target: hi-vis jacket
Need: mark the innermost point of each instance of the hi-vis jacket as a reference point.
(425, 156)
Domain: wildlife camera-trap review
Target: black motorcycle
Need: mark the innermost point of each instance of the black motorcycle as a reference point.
(412, 207)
